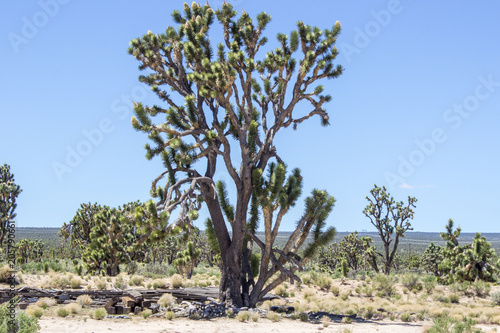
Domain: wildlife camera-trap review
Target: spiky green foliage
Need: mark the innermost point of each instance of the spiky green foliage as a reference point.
(351, 249)
(9, 191)
(109, 237)
(391, 219)
(186, 263)
(470, 262)
(432, 258)
(275, 195)
(218, 101)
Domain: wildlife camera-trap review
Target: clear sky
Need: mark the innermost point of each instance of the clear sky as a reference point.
(417, 109)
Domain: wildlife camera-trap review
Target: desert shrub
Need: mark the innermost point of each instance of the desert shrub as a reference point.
(84, 300)
(454, 298)
(34, 310)
(281, 291)
(166, 300)
(495, 298)
(62, 312)
(461, 287)
(273, 316)
(384, 284)
(131, 268)
(255, 317)
(101, 284)
(160, 284)
(100, 314)
(303, 316)
(442, 299)
(306, 279)
(243, 316)
(23, 322)
(481, 288)
(75, 283)
(176, 280)
(405, 316)
(46, 302)
(335, 290)
(60, 282)
(46, 267)
(4, 273)
(368, 313)
(73, 308)
(230, 313)
(410, 281)
(446, 324)
(146, 313)
(120, 283)
(137, 280)
(324, 282)
(429, 283)
(169, 315)
(347, 320)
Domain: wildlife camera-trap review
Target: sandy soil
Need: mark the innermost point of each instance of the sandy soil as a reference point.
(78, 325)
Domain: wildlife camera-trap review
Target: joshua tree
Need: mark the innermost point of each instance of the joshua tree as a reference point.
(9, 191)
(468, 262)
(235, 102)
(391, 219)
(109, 236)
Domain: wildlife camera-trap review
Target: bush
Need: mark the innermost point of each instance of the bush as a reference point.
(455, 299)
(273, 316)
(75, 283)
(34, 311)
(406, 317)
(495, 298)
(281, 291)
(410, 281)
(335, 290)
(176, 280)
(137, 280)
(146, 313)
(62, 312)
(84, 300)
(303, 316)
(167, 300)
(120, 283)
(100, 314)
(22, 321)
(4, 273)
(384, 284)
(169, 315)
(101, 284)
(243, 316)
(450, 325)
(160, 284)
(481, 288)
(45, 302)
(73, 308)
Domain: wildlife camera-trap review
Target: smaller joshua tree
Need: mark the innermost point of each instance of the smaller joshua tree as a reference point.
(109, 236)
(468, 262)
(392, 220)
(9, 191)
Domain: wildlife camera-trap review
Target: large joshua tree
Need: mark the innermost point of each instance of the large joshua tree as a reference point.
(227, 108)
(9, 191)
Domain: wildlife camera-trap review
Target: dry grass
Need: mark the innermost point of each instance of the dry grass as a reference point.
(176, 281)
(73, 308)
(167, 300)
(84, 300)
(46, 302)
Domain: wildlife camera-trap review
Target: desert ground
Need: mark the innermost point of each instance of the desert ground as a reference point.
(341, 296)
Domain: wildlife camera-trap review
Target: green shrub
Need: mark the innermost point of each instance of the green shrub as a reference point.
(169, 315)
(454, 298)
(495, 298)
(62, 312)
(369, 312)
(35, 311)
(137, 280)
(384, 284)
(405, 316)
(273, 316)
(146, 313)
(410, 281)
(243, 316)
(335, 290)
(303, 316)
(100, 314)
(449, 325)
(481, 288)
(22, 321)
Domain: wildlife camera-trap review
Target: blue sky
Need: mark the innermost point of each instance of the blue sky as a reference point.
(416, 109)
